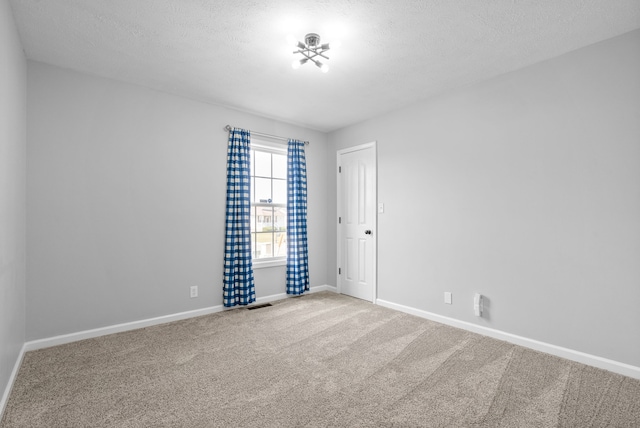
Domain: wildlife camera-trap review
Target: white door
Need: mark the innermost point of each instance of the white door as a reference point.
(357, 222)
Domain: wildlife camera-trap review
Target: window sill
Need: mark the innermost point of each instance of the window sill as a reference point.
(269, 263)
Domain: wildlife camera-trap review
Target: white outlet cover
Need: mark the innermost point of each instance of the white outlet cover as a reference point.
(447, 297)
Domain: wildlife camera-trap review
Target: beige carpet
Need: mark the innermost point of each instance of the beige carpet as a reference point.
(322, 360)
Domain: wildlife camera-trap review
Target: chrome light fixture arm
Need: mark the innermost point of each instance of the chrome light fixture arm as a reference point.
(311, 54)
(310, 49)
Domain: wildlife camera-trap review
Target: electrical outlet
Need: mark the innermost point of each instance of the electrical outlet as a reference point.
(478, 305)
(194, 291)
(447, 297)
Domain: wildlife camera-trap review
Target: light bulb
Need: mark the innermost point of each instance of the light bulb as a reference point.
(297, 63)
(291, 40)
(324, 68)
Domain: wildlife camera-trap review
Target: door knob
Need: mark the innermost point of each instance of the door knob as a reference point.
(367, 232)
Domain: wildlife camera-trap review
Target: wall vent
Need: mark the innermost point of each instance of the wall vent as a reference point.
(262, 305)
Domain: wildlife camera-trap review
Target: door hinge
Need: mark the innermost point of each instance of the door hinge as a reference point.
(339, 169)
(339, 220)
(339, 271)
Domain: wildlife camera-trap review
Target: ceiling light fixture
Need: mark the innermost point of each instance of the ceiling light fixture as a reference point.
(310, 49)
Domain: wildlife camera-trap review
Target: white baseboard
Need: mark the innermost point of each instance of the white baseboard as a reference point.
(569, 354)
(12, 379)
(118, 328)
(281, 296)
(325, 287)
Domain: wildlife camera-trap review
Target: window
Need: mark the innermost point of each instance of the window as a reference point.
(268, 203)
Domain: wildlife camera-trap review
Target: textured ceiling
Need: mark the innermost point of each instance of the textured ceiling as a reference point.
(233, 52)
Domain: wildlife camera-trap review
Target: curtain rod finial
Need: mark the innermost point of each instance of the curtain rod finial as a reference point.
(227, 128)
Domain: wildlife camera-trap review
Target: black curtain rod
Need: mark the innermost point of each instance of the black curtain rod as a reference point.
(261, 134)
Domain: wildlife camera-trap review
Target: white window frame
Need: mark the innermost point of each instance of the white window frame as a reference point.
(261, 145)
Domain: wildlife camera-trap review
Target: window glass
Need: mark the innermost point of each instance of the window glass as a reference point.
(264, 223)
(279, 166)
(262, 190)
(263, 247)
(280, 247)
(262, 164)
(268, 204)
(279, 191)
(253, 219)
(280, 219)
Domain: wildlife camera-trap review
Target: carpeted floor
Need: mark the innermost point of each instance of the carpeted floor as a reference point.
(321, 360)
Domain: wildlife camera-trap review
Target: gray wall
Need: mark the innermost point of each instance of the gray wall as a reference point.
(126, 198)
(525, 188)
(13, 96)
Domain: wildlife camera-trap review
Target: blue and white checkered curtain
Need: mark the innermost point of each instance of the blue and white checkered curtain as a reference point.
(238, 287)
(297, 252)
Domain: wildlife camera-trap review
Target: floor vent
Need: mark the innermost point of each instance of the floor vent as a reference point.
(263, 305)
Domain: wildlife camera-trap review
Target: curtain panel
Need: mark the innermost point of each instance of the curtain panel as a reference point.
(238, 283)
(297, 249)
